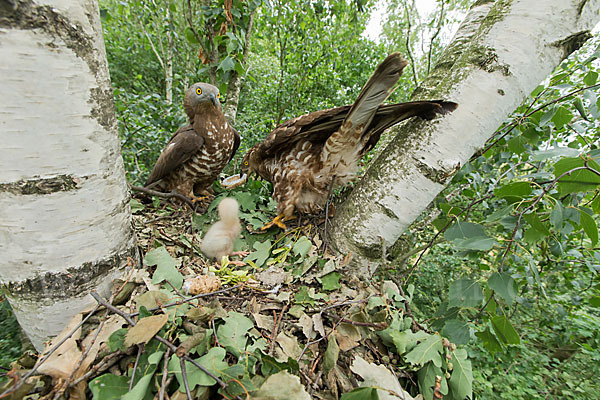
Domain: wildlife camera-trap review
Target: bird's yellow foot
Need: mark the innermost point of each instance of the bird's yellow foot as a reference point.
(278, 220)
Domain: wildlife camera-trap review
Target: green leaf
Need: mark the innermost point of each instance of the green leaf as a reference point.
(246, 200)
(426, 376)
(594, 301)
(504, 330)
(331, 281)
(514, 191)
(302, 246)
(165, 267)
(590, 78)
(465, 293)
(579, 180)
(517, 144)
(139, 390)
(580, 108)
(457, 331)
(543, 155)
(489, 340)
(536, 223)
(331, 354)
(361, 393)
(562, 117)
(190, 37)
(233, 334)
(135, 205)
(589, 226)
(461, 380)
(270, 365)
(109, 386)
(212, 361)
(469, 236)
(228, 64)
(429, 349)
(557, 216)
(116, 340)
(263, 251)
(503, 284)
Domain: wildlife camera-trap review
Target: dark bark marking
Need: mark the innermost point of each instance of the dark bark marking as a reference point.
(60, 183)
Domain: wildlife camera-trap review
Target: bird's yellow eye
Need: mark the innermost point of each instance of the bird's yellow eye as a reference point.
(245, 162)
(218, 95)
(198, 91)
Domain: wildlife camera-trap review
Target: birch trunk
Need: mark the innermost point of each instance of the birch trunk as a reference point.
(65, 222)
(500, 53)
(169, 60)
(235, 83)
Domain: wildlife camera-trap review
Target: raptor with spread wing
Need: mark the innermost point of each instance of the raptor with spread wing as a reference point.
(304, 155)
(197, 153)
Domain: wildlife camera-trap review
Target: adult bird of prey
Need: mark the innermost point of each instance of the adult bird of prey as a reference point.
(197, 153)
(304, 155)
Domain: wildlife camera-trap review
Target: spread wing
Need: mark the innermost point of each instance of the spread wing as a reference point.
(316, 127)
(184, 143)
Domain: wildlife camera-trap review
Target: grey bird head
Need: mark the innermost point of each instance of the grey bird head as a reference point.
(201, 98)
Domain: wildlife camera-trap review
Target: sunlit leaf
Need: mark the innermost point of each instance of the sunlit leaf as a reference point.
(465, 293)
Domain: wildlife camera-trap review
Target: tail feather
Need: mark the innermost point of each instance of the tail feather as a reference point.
(343, 143)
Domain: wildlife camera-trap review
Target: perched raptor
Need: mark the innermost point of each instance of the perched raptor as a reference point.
(197, 153)
(302, 156)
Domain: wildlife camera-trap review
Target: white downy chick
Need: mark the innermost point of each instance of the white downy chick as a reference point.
(219, 239)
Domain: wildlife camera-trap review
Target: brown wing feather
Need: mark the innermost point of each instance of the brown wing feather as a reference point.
(316, 127)
(390, 114)
(184, 143)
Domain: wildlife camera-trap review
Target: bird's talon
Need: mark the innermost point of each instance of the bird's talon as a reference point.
(278, 220)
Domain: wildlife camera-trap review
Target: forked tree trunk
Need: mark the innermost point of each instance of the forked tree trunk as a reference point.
(500, 53)
(65, 222)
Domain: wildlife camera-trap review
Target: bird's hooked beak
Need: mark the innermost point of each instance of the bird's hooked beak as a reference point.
(214, 99)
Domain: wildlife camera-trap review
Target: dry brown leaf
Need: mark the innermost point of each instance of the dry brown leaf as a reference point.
(347, 336)
(151, 299)
(318, 324)
(145, 329)
(289, 347)
(306, 323)
(264, 321)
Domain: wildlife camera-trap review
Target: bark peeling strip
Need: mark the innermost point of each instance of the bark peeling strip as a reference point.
(37, 185)
(25, 15)
(74, 281)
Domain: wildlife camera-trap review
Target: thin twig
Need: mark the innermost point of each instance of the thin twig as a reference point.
(135, 365)
(163, 383)
(102, 366)
(187, 300)
(435, 35)
(184, 376)
(276, 329)
(50, 352)
(171, 346)
(86, 352)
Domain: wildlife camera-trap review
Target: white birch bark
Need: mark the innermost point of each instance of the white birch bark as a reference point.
(501, 52)
(65, 225)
